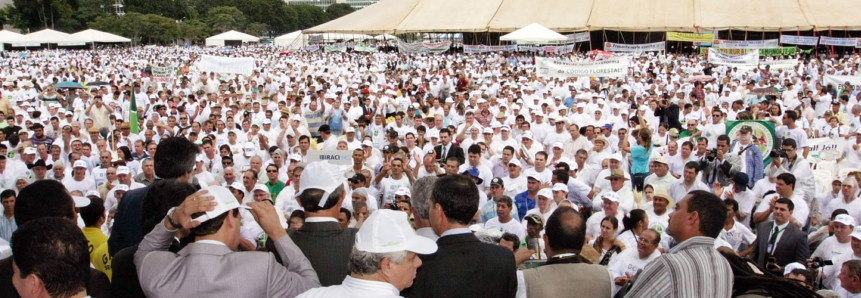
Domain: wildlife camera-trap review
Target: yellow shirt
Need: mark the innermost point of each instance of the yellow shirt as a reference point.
(102, 260)
(96, 238)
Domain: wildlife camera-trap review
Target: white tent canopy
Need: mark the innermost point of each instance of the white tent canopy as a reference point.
(91, 35)
(48, 36)
(292, 40)
(533, 33)
(7, 37)
(219, 40)
(386, 37)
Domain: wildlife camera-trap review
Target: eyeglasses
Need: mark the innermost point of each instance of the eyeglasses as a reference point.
(271, 171)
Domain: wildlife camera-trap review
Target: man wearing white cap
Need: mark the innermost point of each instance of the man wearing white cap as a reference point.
(321, 194)
(610, 207)
(660, 177)
(383, 261)
(835, 248)
(79, 180)
(213, 217)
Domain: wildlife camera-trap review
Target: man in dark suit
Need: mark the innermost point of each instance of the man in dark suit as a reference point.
(446, 149)
(321, 238)
(174, 159)
(462, 266)
(780, 240)
(44, 199)
(723, 167)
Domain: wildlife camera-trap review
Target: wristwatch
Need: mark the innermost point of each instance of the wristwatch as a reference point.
(173, 224)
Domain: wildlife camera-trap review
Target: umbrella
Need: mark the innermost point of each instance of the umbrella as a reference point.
(700, 78)
(98, 83)
(69, 85)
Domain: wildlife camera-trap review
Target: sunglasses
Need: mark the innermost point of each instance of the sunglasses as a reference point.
(271, 171)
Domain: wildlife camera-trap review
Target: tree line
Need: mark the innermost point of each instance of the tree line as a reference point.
(168, 21)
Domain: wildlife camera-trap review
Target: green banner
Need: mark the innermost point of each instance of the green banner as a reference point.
(769, 52)
(339, 48)
(364, 48)
(695, 37)
(763, 135)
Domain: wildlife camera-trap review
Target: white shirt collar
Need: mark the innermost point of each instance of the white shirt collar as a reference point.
(366, 286)
(321, 219)
(211, 242)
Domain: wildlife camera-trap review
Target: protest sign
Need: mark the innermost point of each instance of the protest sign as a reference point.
(775, 65)
(335, 48)
(163, 74)
(770, 52)
(799, 40)
(473, 49)
(750, 59)
(745, 44)
(578, 37)
(611, 67)
(216, 64)
(635, 48)
(694, 37)
(419, 48)
(838, 81)
(364, 48)
(312, 48)
(335, 157)
(763, 135)
(838, 41)
(818, 145)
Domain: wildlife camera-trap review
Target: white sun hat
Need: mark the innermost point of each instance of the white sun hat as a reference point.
(389, 231)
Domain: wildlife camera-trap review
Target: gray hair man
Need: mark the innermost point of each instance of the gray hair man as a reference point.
(421, 191)
(383, 261)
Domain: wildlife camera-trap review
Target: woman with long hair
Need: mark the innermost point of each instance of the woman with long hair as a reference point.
(639, 153)
(635, 222)
(607, 244)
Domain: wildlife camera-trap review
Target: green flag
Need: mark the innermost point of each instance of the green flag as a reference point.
(134, 124)
(763, 135)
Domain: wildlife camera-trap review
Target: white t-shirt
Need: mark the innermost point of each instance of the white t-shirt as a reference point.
(831, 249)
(512, 226)
(389, 185)
(737, 235)
(628, 262)
(800, 212)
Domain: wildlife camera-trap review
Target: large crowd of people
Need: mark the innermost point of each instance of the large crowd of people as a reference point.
(468, 176)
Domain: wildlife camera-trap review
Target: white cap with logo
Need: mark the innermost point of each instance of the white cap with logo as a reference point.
(327, 177)
(225, 201)
(389, 231)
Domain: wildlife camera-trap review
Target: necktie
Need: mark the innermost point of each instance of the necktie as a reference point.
(444, 151)
(773, 239)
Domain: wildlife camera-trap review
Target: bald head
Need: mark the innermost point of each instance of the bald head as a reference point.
(565, 231)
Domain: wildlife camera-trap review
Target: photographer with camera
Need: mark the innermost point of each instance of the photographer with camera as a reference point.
(778, 242)
(718, 166)
(787, 160)
(836, 248)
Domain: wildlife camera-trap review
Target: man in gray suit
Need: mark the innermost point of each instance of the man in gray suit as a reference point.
(779, 242)
(723, 168)
(210, 267)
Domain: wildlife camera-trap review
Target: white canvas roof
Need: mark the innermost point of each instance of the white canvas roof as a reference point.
(7, 36)
(408, 16)
(91, 35)
(533, 33)
(218, 40)
(293, 40)
(48, 36)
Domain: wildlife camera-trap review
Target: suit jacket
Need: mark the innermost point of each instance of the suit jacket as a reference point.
(465, 267)
(97, 287)
(213, 270)
(328, 248)
(127, 222)
(724, 178)
(455, 151)
(791, 247)
(752, 156)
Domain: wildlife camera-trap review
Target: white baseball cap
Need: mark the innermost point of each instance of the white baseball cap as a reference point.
(389, 231)
(856, 233)
(403, 191)
(545, 192)
(122, 187)
(81, 202)
(93, 193)
(123, 170)
(514, 162)
(612, 196)
(30, 150)
(557, 145)
(260, 187)
(367, 143)
(296, 157)
(792, 266)
(225, 201)
(327, 177)
(237, 185)
(845, 219)
(560, 187)
(80, 164)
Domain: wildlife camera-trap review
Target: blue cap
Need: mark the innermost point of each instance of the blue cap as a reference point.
(473, 171)
(608, 126)
(741, 181)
